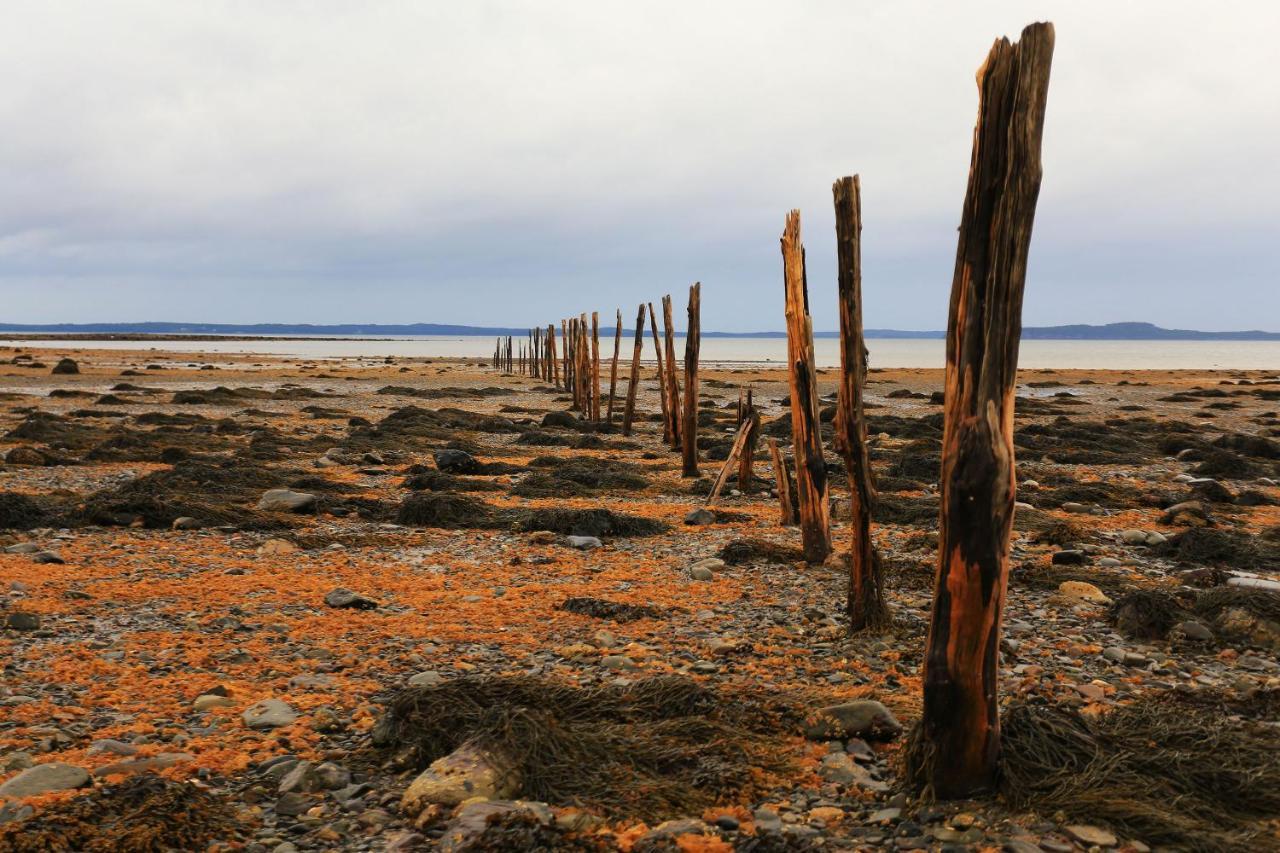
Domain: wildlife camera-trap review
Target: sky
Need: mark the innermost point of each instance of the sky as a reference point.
(510, 163)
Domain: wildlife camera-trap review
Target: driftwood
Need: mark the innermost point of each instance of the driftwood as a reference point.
(806, 437)
(692, 340)
(956, 750)
(739, 443)
(865, 605)
(748, 413)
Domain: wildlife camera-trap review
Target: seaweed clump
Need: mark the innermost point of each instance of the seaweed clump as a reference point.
(590, 522)
(143, 814)
(19, 512)
(741, 551)
(1147, 614)
(1213, 547)
(615, 611)
(1170, 772)
(650, 749)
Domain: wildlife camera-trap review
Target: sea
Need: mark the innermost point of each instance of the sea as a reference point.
(733, 351)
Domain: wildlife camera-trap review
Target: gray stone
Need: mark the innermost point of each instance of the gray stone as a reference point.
(864, 718)
(1091, 835)
(185, 522)
(1194, 631)
(457, 462)
(44, 778)
(209, 701)
(1133, 537)
(698, 573)
(617, 662)
(269, 714)
(427, 678)
(344, 598)
(286, 500)
(700, 516)
(583, 543)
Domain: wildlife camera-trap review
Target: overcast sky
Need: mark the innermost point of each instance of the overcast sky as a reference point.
(505, 163)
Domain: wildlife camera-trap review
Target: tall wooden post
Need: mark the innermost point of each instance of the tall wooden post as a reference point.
(672, 382)
(629, 411)
(692, 343)
(553, 366)
(565, 357)
(662, 380)
(613, 370)
(806, 438)
(956, 750)
(865, 605)
(595, 366)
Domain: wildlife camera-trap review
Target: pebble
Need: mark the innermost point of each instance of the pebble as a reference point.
(1088, 834)
(286, 500)
(583, 543)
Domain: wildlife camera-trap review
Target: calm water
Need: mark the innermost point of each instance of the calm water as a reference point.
(1120, 355)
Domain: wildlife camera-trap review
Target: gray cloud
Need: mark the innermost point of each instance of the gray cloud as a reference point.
(513, 162)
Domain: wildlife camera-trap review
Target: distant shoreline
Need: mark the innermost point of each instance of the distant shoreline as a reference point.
(161, 331)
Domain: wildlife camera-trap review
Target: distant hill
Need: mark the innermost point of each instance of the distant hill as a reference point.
(1109, 332)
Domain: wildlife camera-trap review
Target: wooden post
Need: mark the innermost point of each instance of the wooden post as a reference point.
(584, 366)
(806, 438)
(595, 366)
(662, 383)
(553, 366)
(613, 371)
(692, 342)
(956, 750)
(672, 382)
(746, 460)
(630, 410)
(865, 605)
(783, 480)
(566, 356)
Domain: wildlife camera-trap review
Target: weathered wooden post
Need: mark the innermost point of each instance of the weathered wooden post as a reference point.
(955, 752)
(662, 382)
(865, 606)
(692, 343)
(629, 412)
(746, 460)
(806, 438)
(567, 355)
(595, 366)
(613, 370)
(672, 382)
(553, 366)
(783, 480)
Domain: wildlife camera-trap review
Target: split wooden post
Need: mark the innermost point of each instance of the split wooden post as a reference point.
(672, 429)
(662, 384)
(595, 366)
(806, 437)
(783, 480)
(629, 412)
(613, 371)
(956, 750)
(692, 343)
(566, 356)
(865, 604)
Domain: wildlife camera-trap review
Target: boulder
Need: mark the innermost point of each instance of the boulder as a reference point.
(700, 516)
(461, 775)
(25, 456)
(345, 598)
(66, 367)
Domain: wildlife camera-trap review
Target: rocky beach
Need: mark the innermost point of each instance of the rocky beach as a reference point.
(259, 603)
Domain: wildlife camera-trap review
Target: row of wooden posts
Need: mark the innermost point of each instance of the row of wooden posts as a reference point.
(575, 367)
(955, 750)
